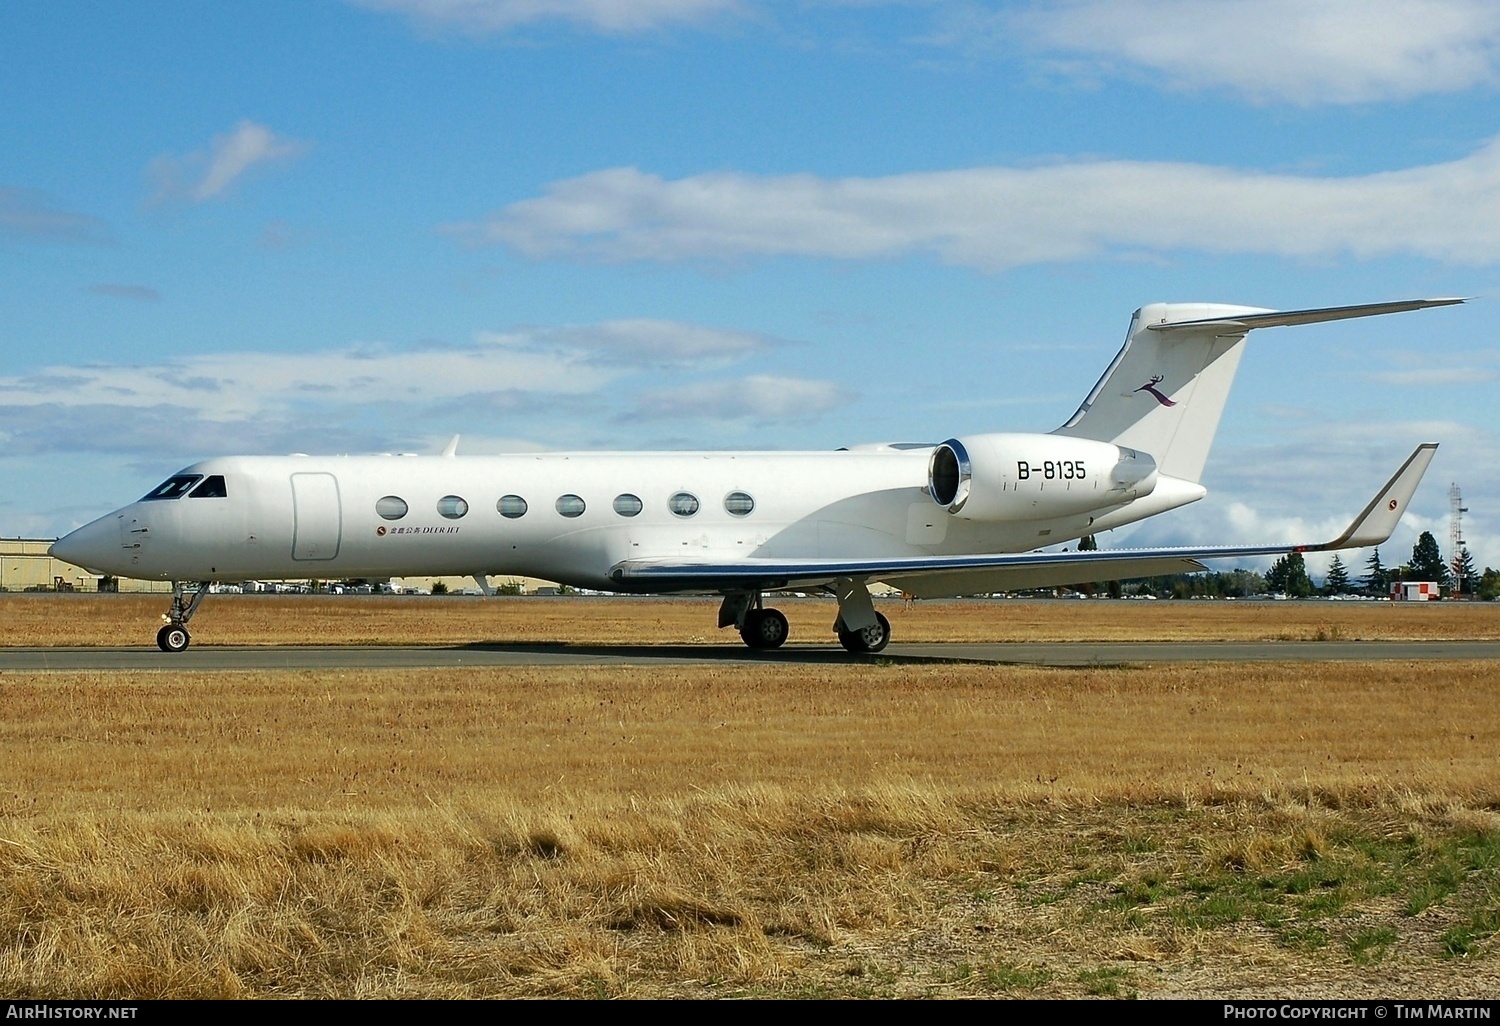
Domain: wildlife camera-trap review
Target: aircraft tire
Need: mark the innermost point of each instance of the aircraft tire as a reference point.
(765, 629)
(870, 640)
(173, 637)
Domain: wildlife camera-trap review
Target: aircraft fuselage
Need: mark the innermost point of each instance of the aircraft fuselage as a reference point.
(296, 517)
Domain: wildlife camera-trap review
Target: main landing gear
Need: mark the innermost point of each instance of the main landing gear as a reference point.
(860, 629)
(763, 629)
(186, 597)
(869, 639)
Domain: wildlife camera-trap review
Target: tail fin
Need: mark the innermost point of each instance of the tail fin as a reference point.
(1166, 389)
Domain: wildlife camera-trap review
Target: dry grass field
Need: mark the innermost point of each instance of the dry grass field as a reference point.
(348, 620)
(1256, 830)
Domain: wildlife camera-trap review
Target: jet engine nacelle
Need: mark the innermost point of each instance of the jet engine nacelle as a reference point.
(1005, 477)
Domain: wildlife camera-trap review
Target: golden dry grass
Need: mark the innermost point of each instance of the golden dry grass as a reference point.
(362, 738)
(1263, 830)
(112, 620)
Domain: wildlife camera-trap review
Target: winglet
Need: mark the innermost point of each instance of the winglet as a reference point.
(451, 449)
(1381, 516)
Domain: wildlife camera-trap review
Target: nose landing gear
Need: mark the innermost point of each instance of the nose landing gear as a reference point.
(173, 637)
(186, 597)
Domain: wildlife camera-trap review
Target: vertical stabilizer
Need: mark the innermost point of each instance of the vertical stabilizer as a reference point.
(1165, 391)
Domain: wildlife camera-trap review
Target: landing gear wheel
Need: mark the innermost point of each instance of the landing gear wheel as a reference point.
(765, 629)
(869, 640)
(173, 638)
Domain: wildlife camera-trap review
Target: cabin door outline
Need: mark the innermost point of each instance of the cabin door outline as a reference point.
(317, 517)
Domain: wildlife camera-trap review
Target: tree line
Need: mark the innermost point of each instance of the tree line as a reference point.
(1289, 576)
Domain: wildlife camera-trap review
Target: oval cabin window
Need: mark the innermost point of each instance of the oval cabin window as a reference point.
(570, 505)
(511, 506)
(683, 504)
(739, 504)
(628, 505)
(391, 507)
(452, 507)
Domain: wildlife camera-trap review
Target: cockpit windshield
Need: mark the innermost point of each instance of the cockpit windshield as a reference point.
(174, 487)
(211, 488)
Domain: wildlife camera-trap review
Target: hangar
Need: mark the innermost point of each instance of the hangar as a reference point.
(26, 566)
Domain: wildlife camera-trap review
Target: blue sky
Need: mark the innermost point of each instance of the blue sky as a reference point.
(365, 226)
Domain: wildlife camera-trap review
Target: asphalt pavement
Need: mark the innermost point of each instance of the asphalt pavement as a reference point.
(1067, 653)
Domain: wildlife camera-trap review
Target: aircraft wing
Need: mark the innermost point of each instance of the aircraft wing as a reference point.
(948, 575)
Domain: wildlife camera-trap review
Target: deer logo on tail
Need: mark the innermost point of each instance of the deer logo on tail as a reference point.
(1150, 387)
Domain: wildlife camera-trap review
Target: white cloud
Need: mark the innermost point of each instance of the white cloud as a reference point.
(236, 385)
(277, 234)
(1328, 51)
(1309, 486)
(644, 342)
(203, 176)
(1429, 377)
(1438, 368)
(29, 214)
(758, 397)
(612, 16)
(1000, 217)
(145, 293)
(348, 399)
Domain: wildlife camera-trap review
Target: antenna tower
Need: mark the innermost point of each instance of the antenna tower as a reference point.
(1457, 509)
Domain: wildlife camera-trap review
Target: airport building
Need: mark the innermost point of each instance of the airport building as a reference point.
(1416, 591)
(25, 566)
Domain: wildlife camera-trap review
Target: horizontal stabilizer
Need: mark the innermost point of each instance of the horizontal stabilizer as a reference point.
(1003, 571)
(1283, 318)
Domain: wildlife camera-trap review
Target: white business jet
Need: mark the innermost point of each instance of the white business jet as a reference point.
(953, 518)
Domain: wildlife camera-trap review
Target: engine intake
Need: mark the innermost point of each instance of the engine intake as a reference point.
(949, 474)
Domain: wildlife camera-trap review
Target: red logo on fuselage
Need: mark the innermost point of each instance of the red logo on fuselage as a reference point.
(1150, 386)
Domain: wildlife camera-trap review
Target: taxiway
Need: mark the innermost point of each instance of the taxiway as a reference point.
(213, 658)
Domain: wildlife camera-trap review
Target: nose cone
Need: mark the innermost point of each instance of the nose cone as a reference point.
(94, 546)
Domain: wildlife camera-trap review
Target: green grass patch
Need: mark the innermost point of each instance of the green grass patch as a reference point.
(1004, 976)
(1219, 908)
(1108, 981)
(1369, 946)
(1296, 882)
(996, 977)
(1148, 889)
(1433, 889)
(1302, 937)
(954, 974)
(1463, 940)
(1047, 897)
